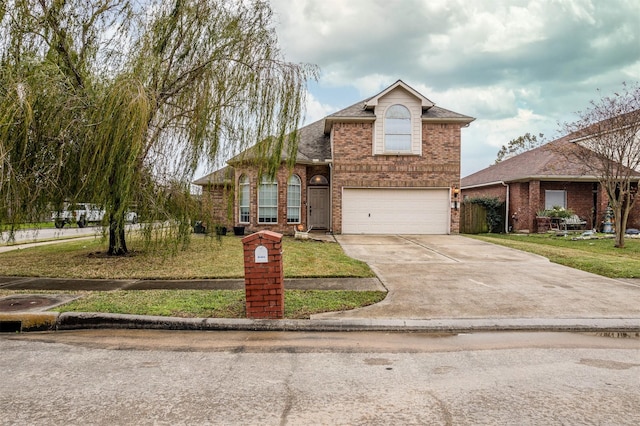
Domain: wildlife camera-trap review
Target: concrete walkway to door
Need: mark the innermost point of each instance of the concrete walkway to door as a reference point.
(451, 276)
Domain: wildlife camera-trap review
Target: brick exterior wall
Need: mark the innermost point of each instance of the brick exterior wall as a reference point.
(304, 172)
(527, 198)
(494, 191)
(217, 206)
(354, 164)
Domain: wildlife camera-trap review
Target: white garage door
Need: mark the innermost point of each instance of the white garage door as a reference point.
(395, 211)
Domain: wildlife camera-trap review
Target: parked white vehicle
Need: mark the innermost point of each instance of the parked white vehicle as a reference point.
(84, 214)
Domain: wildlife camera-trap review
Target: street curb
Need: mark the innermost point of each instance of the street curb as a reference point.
(94, 320)
(69, 321)
(36, 321)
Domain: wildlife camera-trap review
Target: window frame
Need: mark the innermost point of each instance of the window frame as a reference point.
(244, 200)
(549, 205)
(295, 204)
(265, 181)
(391, 129)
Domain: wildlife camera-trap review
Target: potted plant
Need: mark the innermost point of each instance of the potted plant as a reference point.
(550, 218)
(238, 230)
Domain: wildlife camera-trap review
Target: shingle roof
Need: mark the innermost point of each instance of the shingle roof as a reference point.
(313, 139)
(552, 161)
(219, 177)
(313, 144)
(358, 110)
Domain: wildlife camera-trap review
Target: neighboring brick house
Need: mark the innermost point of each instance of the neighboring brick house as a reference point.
(387, 165)
(540, 179)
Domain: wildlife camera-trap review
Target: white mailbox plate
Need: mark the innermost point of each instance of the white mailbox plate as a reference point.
(261, 255)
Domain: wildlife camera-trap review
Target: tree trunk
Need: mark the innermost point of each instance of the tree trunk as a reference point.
(117, 243)
(620, 226)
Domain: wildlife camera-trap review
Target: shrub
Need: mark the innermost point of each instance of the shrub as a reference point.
(495, 212)
(556, 211)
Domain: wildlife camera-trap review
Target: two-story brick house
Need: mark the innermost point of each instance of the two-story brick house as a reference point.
(386, 165)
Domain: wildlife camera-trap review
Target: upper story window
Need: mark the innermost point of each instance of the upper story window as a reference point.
(243, 199)
(268, 200)
(294, 199)
(397, 129)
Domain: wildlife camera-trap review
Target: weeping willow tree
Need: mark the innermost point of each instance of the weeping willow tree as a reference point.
(117, 103)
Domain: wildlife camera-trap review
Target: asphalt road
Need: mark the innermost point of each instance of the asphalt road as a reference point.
(33, 235)
(161, 377)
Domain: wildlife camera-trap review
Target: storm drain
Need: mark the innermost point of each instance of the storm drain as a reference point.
(33, 302)
(25, 303)
(10, 326)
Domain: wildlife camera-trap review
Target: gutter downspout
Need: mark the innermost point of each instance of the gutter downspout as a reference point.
(331, 197)
(506, 222)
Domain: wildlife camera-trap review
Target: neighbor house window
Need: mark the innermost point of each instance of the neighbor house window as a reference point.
(397, 129)
(555, 198)
(243, 199)
(293, 199)
(268, 200)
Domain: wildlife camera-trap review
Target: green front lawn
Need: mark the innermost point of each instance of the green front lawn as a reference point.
(206, 257)
(298, 304)
(598, 256)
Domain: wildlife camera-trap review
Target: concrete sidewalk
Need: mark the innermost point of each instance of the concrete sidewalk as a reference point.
(446, 283)
(73, 284)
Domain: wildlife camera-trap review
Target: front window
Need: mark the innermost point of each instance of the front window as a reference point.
(268, 200)
(243, 195)
(554, 198)
(293, 199)
(397, 129)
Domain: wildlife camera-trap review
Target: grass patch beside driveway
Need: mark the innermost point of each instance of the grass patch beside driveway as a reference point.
(299, 304)
(597, 256)
(206, 257)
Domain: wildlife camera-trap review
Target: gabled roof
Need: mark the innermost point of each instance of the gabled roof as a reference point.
(364, 110)
(372, 102)
(313, 140)
(549, 162)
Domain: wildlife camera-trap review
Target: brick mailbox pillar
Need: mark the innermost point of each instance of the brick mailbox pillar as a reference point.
(264, 275)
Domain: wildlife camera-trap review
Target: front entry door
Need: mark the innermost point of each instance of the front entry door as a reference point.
(319, 208)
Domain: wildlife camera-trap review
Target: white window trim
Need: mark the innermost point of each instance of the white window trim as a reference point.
(266, 181)
(378, 143)
(298, 184)
(384, 131)
(241, 185)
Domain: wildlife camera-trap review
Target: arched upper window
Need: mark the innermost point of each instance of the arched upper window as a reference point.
(397, 128)
(243, 199)
(294, 198)
(268, 200)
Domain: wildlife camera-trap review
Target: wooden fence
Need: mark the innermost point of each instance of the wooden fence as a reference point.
(474, 219)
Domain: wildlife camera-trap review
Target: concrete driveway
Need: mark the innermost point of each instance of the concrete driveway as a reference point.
(451, 276)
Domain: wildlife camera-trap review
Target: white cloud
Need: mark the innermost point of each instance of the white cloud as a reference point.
(516, 65)
(315, 110)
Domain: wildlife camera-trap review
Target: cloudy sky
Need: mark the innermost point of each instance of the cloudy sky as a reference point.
(518, 66)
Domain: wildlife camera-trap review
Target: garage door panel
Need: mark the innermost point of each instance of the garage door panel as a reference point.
(395, 211)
